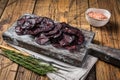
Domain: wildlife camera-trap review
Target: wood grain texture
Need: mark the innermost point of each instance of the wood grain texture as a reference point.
(108, 36)
(7, 69)
(13, 11)
(3, 4)
(72, 12)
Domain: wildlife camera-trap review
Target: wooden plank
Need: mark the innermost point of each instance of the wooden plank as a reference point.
(112, 35)
(3, 4)
(13, 10)
(100, 75)
(82, 6)
(7, 69)
(107, 36)
(23, 74)
(54, 9)
(68, 11)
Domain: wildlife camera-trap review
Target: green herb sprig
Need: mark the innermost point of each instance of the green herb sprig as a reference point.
(29, 62)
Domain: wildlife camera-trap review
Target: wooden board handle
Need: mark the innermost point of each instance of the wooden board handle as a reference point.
(107, 54)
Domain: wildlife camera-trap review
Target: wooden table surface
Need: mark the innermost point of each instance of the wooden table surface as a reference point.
(72, 12)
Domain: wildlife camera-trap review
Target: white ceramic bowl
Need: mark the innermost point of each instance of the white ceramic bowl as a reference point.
(95, 22)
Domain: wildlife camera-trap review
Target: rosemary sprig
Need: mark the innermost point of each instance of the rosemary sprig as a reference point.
(29, 62)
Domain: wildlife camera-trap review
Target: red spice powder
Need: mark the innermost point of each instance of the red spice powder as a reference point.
(97, 15)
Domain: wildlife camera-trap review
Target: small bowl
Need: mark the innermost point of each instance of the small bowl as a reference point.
(95, 22)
